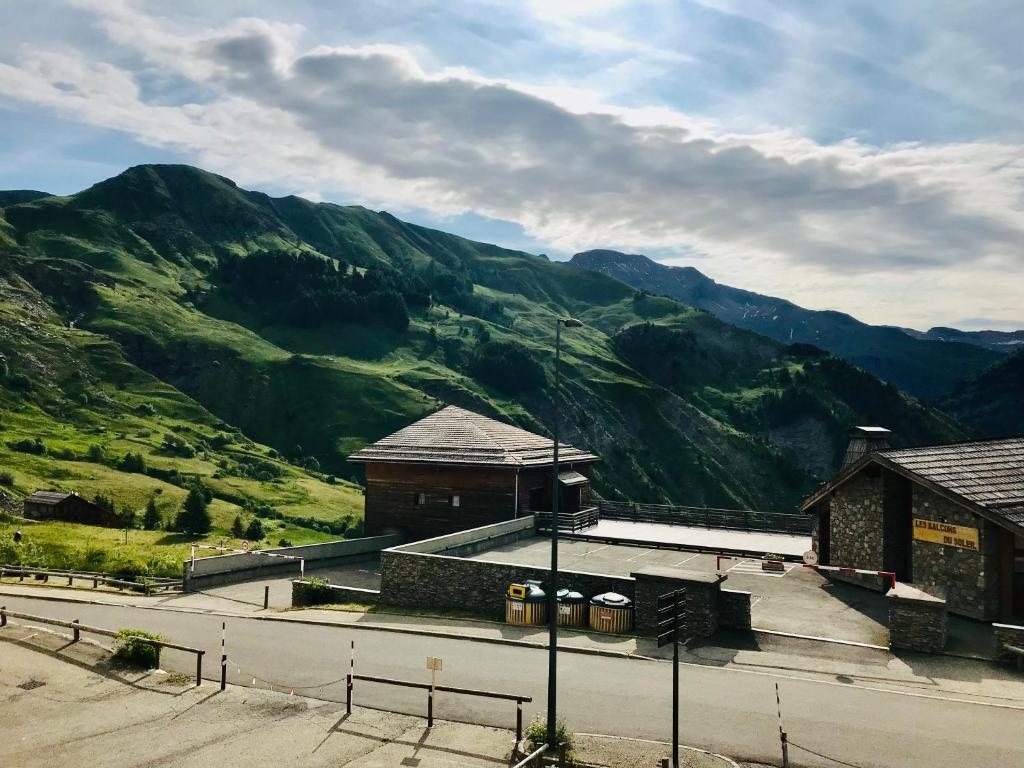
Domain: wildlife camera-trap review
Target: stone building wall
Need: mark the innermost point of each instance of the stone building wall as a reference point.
(917, 620)
(856, 526)
(734, 609)
(968, 580)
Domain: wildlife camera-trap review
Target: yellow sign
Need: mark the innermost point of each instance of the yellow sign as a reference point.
(960, 536)
(517, 591)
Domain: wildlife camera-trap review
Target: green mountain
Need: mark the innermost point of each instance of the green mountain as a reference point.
(927, 367)
(312, 329)
(992, 401)
(16, 196)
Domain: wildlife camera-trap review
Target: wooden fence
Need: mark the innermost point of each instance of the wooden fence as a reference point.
(706, 517)
(145, 584)
(568, 521)
(77, 628)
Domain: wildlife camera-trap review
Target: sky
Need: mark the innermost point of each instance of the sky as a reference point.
(861, 156)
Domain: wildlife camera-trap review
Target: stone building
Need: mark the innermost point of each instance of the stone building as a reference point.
(948, 519)
(456, 469)
(68, 507)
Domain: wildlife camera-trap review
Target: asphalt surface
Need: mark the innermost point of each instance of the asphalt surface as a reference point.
(724, 710)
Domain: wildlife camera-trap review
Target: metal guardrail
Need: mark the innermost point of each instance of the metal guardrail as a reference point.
(706, 517)
(568, 521)
(146, 584)
(518, 699)
(533, 759)
(77, 628)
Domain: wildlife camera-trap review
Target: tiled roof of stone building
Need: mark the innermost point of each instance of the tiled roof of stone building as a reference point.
(454, 435)
(988, 474)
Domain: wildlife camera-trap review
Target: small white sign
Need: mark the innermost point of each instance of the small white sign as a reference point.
(516, 607)
(564, 610)
(434, 663)
(811, 557)
(245, 546)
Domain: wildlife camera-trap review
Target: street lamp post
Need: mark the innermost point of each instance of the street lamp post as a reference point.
(568, 322)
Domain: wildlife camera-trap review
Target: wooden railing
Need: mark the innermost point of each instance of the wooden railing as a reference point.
(77, 628)
(350, 678)
(706, 517)
(571, 522)
(145, 584)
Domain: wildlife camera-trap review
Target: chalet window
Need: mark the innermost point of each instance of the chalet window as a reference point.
(420, 499)
(455, 501)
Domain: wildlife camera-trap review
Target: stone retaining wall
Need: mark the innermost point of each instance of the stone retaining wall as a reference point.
(1008, 634)
(917, 621)
(304, 594)
(734, 609)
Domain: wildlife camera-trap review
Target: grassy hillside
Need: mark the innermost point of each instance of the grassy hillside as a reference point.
(313, 329)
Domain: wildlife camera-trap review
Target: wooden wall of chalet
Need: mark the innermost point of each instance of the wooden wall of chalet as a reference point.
(73, 509)
(486, 495)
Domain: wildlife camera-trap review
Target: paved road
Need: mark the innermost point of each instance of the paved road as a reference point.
(724, 710)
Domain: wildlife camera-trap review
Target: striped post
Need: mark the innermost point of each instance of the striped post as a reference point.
(348, 681)
(782, 733)
(223, 656)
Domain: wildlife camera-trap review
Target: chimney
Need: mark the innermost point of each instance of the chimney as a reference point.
(865, 440)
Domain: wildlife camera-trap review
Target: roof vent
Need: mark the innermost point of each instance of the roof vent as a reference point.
(865, 440)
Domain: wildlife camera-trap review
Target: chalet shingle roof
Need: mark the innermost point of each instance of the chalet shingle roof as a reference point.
(987, 474)
(49, 498)
(454, 435)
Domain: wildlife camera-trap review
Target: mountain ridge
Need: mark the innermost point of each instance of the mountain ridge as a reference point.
(924, 368)
(315, 328)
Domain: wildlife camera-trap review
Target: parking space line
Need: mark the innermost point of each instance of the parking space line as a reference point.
(696, 554)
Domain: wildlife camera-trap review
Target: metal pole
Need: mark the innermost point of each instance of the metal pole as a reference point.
(199, 669)
(675, 680)
(266, 597)
(223, 657)
(77, 633)
(553, 586)
(351, 678)
(519, 719)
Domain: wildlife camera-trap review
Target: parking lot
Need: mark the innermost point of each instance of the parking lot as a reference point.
(797, 600)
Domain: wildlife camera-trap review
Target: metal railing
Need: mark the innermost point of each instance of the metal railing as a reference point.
(706, 517)
(518, 699)
(145, 584)
(533, 759)
(568, 521)
(77, 628)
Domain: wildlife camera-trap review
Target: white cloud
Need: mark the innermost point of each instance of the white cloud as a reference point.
(937, 227)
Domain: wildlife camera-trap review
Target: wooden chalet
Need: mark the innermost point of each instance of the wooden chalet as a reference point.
(68, 507)
(456, 469)
(948, 519)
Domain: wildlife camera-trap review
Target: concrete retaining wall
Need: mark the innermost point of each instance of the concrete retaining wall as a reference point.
(917, 620)
(734, 609)
(240, 566)
(466, 543)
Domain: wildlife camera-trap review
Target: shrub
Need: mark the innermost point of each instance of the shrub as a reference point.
(133, 462)
(318, 590)
(146, 409)
(7, 478)
(130, 647)
(96, 454)
(507, 366)
(28, 446)
(237, 527)
(175, 445)
(284, 543)
(537, 735)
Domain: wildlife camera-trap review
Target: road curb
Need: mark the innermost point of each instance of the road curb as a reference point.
(345, 625)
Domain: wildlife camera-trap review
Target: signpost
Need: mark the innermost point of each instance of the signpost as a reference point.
(811, 557)
(435, 665)
(245, 546)
(671, 612)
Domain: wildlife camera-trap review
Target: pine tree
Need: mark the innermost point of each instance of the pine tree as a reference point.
(237, 529)
(151, 519)
(255, 530)
(194, 517)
